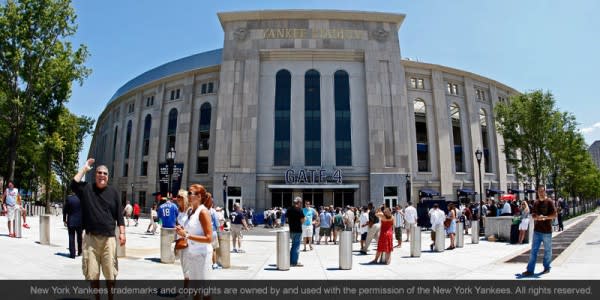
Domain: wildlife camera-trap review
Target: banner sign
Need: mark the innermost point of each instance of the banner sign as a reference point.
(163, 171)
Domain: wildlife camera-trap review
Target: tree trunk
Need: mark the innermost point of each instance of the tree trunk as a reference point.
(48, 180)
(13, 142)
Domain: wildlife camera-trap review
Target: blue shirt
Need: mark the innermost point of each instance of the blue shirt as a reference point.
(308, 216)
(325, 220)
(168, 214)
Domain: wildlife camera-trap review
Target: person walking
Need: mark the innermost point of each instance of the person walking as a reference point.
(385, 244)
(524, 225)
(127, 211)
(398, 225)
(410, 219)
(11, 200)
(153, 220)
(451, 230)
(136, 213)
(373, 228)
(238, 223)
(72, 220)
(295, 218)
(543, 212)
(101, 211)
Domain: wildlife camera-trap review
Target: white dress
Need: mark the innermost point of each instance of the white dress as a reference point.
(196, 259)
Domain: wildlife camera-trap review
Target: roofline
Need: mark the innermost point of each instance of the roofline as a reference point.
(322, 14)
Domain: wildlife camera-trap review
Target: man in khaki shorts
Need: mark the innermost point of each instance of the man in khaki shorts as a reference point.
(101, 210)
(238, 222)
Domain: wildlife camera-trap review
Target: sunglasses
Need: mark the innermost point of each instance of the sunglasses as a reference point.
(102, 173)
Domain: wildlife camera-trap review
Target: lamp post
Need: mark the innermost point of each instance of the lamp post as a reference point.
(478, 155)
(170, 161)
(225, 197)
(408, 189)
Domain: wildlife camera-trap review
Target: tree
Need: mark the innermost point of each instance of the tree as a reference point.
(526, 124)
(37, 64)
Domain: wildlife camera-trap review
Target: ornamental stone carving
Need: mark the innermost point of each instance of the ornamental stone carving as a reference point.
(380, 34)
(240, 34)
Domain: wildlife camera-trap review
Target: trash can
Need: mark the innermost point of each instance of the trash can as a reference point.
(225, 249)
(415, 241)
(167, 253)
(460, 234)
(283, 250)
(345, 250)
(120, 249)
(17, 223)
(440, 238)
(45, 229)
(475, 232)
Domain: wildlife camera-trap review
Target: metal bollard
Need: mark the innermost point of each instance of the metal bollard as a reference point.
(440, 238)
(283, 250)
(224, 249)
(167, 254)
(415, 241)
(460, 235)
(475, 232)
(45, 230)
(120, 249)
(17, 223)
(345, 250)
(530, 230)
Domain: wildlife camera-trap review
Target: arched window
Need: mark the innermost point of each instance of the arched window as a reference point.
(283, 95)
(128, 139)
(343, 136)
(421, 135)
(312, 118)
(114, 151)
(203, 139)
(485, 140)
(171, 129)
(146, 140)
(457, 138)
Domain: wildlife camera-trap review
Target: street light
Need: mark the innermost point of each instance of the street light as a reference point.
(170, 162)
(478, 155)
(225, 196)
(132, 193)
(408, 189)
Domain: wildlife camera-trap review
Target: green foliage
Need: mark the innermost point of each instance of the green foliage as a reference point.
(37, 68)
(545, 145)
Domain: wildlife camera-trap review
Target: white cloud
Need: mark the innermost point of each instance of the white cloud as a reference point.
(588, 130)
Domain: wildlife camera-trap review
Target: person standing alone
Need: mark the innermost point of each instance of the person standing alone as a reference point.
(101, 211)
(72, 220)
(542, 213)
(295, 219)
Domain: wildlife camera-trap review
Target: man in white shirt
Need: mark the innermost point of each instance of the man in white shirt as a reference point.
(410, 219)
(506, 210)
(436, 217)
(399, 224)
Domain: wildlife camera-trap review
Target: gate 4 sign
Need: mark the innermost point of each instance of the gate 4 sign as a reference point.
(313, 176)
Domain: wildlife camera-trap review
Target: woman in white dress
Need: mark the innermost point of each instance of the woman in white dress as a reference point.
(524, 225)
(197, 229)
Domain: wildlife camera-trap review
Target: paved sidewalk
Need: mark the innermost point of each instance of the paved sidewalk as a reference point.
(25, 258)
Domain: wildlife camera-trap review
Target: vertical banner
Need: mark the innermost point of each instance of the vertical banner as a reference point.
(163, 171)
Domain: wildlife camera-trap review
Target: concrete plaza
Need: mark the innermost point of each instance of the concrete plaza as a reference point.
(26, 258)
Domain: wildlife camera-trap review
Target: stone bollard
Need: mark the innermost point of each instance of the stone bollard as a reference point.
(45, 230)
(283, 250)
(224, 249)
(345, 250)
(415, 241)
(120, 249)
(167, 253)
(460, 235)
(17, 223)
(475, 232)
(440, 238)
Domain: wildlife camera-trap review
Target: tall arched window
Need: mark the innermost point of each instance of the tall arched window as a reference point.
(171, 129)
(343, 136)
(283, 92)
(485, 140)
(114, 151)
(312, 118)
(421, 135)
(146, 140)
(457, 138)
(128, 139)
(203, 139)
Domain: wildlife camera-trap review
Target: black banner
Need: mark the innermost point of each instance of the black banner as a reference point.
(163, 175)
(309, 289)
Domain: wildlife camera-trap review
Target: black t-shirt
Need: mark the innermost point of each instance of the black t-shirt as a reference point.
(294, 216)
(373, 219)
(100, 208)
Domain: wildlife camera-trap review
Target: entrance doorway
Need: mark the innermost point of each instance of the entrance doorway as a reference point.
(390, 196)
(342, 198)
(281, 198)
(315, 197)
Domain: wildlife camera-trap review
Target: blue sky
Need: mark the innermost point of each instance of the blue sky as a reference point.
(533, 44)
